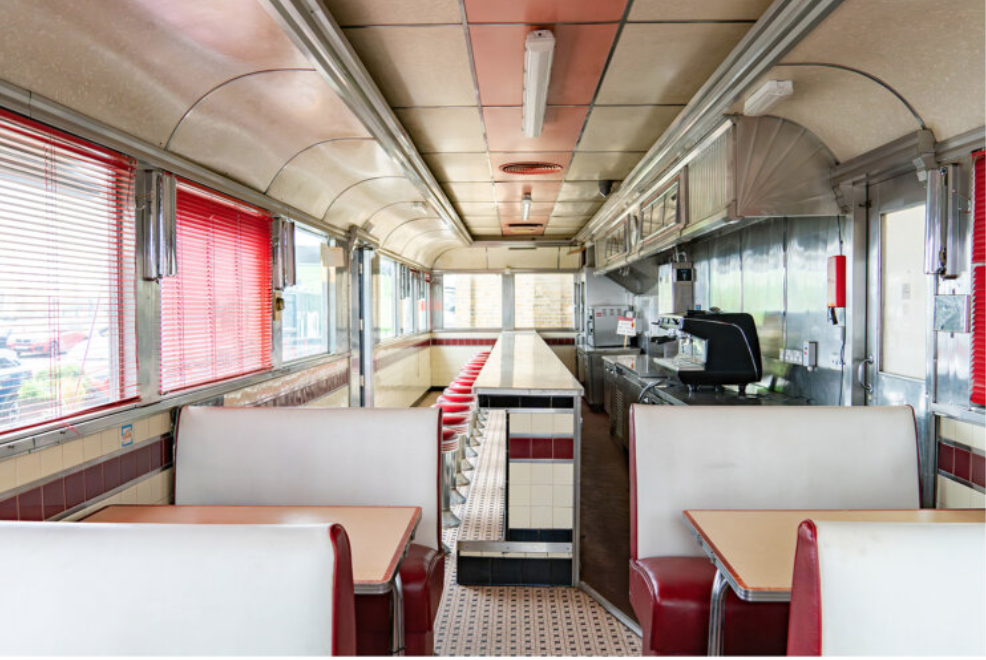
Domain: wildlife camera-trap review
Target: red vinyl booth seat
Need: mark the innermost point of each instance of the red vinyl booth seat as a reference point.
(670, 596)
(423, 574)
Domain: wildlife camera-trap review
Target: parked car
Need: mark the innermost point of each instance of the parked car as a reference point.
(92, 358)
(42, 341)
(12, 375)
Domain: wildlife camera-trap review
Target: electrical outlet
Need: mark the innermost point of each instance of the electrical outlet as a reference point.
(835, 361)
(809, 354)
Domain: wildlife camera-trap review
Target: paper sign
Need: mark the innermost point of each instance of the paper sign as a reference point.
(626, 327)
(126, 435)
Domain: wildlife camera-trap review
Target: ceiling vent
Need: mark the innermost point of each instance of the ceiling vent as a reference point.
(525, 228)
(530, 168)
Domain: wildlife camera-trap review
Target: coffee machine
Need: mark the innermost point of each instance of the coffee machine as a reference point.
(713, 348)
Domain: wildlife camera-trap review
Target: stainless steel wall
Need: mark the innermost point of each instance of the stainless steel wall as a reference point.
(775, 270)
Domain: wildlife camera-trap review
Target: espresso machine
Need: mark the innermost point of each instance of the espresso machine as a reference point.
(713, 348)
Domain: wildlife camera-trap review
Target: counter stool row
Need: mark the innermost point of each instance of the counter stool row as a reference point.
(463, 424)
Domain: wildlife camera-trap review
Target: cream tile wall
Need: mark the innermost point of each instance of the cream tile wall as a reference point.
(541, 492)
(953, 495)
(402, 382)
(157, 488)
(337, 399)
(963, 433)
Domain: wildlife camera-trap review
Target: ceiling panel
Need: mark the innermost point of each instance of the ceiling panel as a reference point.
(400, 236)
(387, 12)
(357, 204)
(405, 61)
(459, 167)
(579, 191)
(544, 11)
(560, 133)
(111, 70)
(469, 192)
(568, 221)
(515, 208)
(529, 230)
(602, 165)
(698, 10)
(626, 128)
(473, 209)
(580, 56)
(444, 129)
(313, 178)
(501, 158)
(576, 208)
(560, 232)
(249, 128)
(540, 191)
(932, 53)
(656, 63)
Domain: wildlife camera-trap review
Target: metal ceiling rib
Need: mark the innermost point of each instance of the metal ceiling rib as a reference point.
(780, 28)
(317, 35)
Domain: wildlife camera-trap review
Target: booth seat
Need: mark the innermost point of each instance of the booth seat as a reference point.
(888, 589)
(717, 457)
(91, 589)
(340, 456)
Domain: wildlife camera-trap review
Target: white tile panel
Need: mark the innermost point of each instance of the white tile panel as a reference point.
(469, 192)
(460, 167)
(387, 12)
(697, 10)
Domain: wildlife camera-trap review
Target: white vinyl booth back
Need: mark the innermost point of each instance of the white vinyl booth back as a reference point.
(902, 589)
(115, 589)
(309, 456)
(770, 457)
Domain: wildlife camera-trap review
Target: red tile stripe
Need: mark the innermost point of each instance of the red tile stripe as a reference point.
(54, 496)
(541, 448)
(962, 463)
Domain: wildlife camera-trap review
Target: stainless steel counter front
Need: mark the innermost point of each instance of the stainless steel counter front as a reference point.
(522, 364)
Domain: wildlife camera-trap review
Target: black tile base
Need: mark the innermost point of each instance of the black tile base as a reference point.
(509, 572)
(539, 535)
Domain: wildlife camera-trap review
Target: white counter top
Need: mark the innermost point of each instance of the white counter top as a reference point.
(522, 363)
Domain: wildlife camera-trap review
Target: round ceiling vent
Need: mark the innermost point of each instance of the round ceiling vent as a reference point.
(530, 168)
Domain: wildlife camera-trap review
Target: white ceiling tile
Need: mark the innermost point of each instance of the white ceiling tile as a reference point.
(387, 12)
(697, 10)
(613, 165)
(626, 128)
(444, 129)
(460, 167)
(657, 63)
(464, 191)
(405, 63)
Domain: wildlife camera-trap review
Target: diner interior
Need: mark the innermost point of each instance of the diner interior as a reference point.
(493, 327)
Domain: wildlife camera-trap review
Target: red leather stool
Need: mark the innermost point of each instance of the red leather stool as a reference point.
(449, 407)
(450, 446)
(459, 389)
(453, 397)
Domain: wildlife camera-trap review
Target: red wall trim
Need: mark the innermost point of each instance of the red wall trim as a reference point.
(962, 463)
(54, 496)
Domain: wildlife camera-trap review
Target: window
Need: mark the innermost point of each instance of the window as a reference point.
(304, 320)
(216, 312)
(406, 300)
(422, 302)
(384, 281)
(472, 301)
(544, 300)
(67, 275)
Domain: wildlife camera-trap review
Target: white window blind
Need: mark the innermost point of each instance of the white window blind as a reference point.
(67, 275)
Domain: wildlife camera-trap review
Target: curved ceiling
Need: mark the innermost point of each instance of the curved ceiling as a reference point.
(219, 83)
(931, 54)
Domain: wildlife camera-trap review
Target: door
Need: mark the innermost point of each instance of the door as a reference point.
(898, 293)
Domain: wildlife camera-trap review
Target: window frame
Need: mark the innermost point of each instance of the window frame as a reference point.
(544, 328)
(505, 322)
(328, 331)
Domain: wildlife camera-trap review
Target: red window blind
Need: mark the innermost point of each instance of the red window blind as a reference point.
(67, 275)
(978, 394)
(216, 312)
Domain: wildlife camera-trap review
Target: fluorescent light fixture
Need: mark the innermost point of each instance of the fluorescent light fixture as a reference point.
(525, 207)
(765, 98)
(539, 51)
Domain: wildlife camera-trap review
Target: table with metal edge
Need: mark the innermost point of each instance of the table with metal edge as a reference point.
(753, 551)
(379, 538)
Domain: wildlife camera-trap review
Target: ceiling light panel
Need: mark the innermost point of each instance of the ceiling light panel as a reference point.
(539, 53)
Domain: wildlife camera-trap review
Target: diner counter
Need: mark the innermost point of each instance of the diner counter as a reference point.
(664, 387)
(522, 364)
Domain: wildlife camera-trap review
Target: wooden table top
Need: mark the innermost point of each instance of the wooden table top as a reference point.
(378, 535)
(756, 548)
